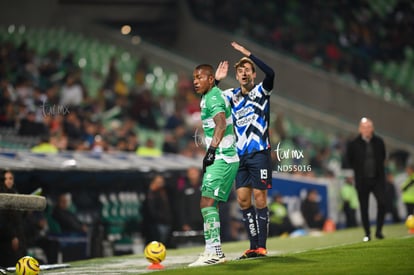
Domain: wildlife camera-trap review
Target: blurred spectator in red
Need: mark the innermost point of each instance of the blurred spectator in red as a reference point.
(143, 109)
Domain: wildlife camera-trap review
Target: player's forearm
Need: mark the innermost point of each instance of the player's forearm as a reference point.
(263, 66)
(269, 73)
(219, 130)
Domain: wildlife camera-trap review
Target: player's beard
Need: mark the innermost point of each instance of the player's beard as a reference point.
(248, 85)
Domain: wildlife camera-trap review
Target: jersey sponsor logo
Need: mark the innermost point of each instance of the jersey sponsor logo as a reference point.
(251, 117)
(252, 227)
(243, 112)
(246, 120)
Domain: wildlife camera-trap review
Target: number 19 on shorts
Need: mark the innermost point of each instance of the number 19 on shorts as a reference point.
(263, 174)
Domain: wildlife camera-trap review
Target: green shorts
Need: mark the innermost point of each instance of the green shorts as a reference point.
(218, 180)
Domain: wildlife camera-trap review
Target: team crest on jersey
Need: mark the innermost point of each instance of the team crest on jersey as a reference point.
(253, 94)
(237, 97)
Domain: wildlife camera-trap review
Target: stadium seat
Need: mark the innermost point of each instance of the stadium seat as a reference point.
(376, 88)
(391, 70)
(409, 54)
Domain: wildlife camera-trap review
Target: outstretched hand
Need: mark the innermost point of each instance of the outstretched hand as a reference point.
(222, 70)
(240, 48)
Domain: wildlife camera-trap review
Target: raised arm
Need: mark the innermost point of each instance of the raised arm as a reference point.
(269, 73)
(241, 49)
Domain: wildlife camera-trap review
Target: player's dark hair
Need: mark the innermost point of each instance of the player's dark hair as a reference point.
(206, 67)
(243, 61)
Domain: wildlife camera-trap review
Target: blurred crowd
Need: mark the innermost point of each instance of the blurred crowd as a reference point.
(343, 36)
(45, 97)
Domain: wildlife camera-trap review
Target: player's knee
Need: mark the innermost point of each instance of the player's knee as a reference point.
(260, 199)
(244, 203)
(206, 202)
(260, 203)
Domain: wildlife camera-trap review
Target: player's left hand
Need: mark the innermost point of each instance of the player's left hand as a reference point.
(209, 157)
(240, 48)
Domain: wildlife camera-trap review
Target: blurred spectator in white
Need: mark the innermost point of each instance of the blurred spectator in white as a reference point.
(71, 93)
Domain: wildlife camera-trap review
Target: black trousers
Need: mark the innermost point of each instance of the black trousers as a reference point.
(350, 216)
(377, 188)
(410, 208)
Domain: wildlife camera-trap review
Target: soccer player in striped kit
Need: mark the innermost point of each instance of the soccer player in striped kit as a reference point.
(220, 164)
(250, 105)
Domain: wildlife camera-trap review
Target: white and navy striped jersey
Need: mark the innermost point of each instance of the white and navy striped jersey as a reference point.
(251, 118)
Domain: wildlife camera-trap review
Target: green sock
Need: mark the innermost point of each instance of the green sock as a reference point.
(212, 230)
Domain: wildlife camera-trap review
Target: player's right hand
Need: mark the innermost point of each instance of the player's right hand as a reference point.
(209, 157)
(222, 70)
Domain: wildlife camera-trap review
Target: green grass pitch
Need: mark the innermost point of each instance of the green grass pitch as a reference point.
(340, 252)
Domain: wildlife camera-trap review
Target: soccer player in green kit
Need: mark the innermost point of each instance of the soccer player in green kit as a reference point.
(220, 163)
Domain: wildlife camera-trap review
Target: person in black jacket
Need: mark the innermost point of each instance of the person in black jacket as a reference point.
(366, 156)
(65, 217)
(12, 242)
(311, 210)
(157, 212)
(189, 199)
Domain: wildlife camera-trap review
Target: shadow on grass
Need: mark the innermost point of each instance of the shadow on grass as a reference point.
(262, 263)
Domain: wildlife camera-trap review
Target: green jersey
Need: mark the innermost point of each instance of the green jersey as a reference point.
(212, 103)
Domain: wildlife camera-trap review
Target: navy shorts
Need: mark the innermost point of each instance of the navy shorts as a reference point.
(255, 171)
